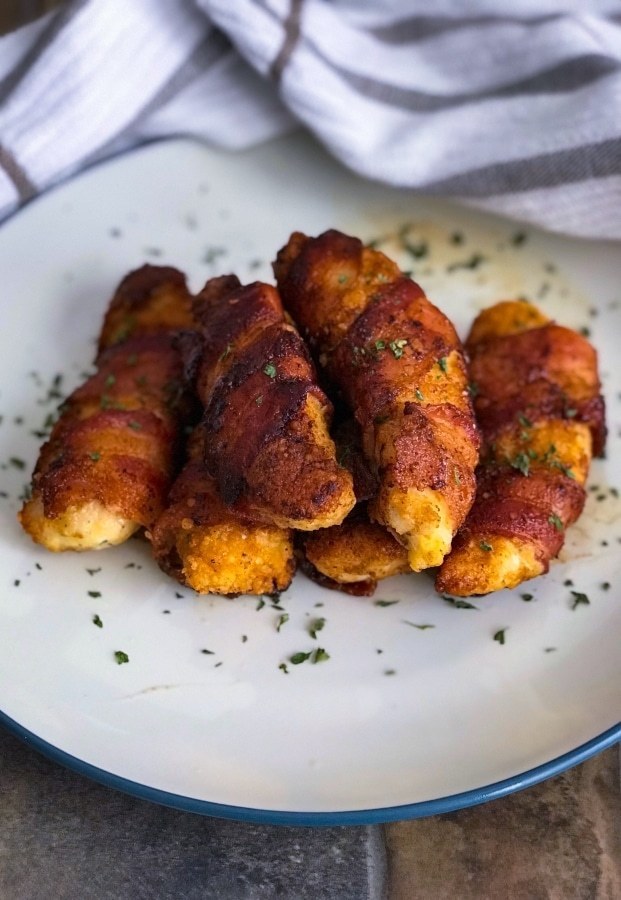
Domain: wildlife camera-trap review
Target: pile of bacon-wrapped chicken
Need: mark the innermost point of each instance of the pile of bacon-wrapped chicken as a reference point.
(335, 420)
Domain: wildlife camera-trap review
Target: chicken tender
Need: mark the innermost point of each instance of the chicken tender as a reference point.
(356, 554)
(542, 417)
(213, 548)
(266, 418)
(401, 369)
(111, 457)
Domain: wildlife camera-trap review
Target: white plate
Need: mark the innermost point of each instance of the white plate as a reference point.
(344, 737)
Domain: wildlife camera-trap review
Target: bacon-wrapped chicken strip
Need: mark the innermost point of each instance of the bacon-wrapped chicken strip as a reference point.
(400, 366)
(266, 418)
(353, 556)
(542, 417)
(111, 456)
(213, 548)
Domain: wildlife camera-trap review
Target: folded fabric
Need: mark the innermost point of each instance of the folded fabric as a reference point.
(518, 113)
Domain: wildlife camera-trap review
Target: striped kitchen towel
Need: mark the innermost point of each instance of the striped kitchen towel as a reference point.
(512, 108)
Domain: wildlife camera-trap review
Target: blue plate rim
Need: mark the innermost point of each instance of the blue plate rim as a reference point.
(375, 816)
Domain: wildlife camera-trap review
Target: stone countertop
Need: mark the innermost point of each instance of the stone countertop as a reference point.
(65, 837)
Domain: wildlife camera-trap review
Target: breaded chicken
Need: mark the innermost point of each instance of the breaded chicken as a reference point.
(401, 369)
(356, 554)
(111, 457)
(213, 548)
(266, 418)
(542, 417)
(353, 556)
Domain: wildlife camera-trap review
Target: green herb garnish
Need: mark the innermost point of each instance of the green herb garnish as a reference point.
(316, 626)
(270, 370)
(442, 362)
(97, 621)
(282, 621)
(384, 602)
(579, 599)
(553, 519)
(397, 347)
(500, 635)
(459, 604)
(121, 657)
(485, 546)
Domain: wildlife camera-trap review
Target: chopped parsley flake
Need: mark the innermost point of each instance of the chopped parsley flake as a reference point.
(17, 463)
(419, 395)
(443, 364)
(390, 671)
(94, 593)
(605, 586)
(473, 389)
(385, 602)
(525, 422)
(397, 347)
(208, 652)
(500, 635)
(225, 352)
(93, 571)
(521, 462)
(343, 279)
(473, 262)
(270, 370)
(97, 621)
(320, 655)
(282, 621)
(459, 604)
(298, 658)
(121, 657)
(553, 519)
(415, 625)
(315, 626)
(485, 546)
(135, 425)
(260, 604)
(527, 597)
(579, 599)
(283, 668)
(110, 380)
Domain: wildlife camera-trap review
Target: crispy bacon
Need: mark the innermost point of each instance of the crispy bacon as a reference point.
(265, 415)
(111, 456)
(214, 548)
(400, 367)
(542, 417)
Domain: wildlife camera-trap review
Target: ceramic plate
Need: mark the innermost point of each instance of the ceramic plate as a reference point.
(401, 720)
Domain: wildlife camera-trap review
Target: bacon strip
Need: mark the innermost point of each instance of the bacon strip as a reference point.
(542, 415)
(213, 548)
(400, 367)
(111, 456)
(266, 418)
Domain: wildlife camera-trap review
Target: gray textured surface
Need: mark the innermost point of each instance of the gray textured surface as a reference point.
(65, 837)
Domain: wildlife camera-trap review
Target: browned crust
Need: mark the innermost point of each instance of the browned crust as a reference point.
(385, 346)
(149, 299)
(264, 411)
(547, 372)
(532, 379)
(195, 503)
(118, 436)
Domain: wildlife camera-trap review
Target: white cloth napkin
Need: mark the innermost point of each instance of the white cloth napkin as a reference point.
(514, 109)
